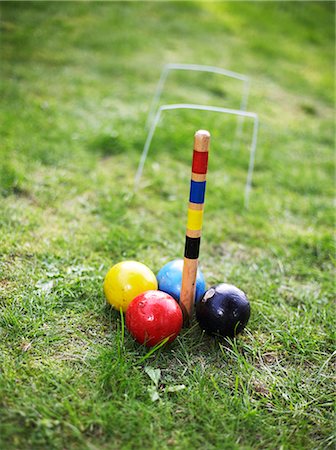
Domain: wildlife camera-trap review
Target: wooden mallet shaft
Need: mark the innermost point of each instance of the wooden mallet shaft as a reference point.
(194, 222)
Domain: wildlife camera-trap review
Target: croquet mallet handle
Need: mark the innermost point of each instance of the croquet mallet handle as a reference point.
(194, 223)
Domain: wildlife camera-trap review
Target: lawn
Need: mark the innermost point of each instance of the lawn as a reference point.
(77, 79)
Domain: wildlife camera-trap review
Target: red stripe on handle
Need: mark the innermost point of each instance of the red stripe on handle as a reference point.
(200, 162)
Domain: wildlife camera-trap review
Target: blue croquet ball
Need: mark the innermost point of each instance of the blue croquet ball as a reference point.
(170, 279)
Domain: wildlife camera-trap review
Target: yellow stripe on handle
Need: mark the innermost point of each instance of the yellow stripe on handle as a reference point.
(195, 219)
(194, 223)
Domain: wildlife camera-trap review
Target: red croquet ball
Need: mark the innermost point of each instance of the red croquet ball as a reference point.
(153, 316)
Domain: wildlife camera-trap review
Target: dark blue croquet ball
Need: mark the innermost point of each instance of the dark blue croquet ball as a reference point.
(170, 279)
(223, 310)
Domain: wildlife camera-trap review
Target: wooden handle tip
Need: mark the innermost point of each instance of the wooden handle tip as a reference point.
(202, 138)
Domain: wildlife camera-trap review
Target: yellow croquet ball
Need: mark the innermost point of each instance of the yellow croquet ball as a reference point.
(126, 280)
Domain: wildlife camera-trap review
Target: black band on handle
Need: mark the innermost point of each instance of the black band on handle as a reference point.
(192, 246)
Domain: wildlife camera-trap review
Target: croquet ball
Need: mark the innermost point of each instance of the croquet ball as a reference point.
(126, 280)
(153, 316)
(170, 280)
(223, 310)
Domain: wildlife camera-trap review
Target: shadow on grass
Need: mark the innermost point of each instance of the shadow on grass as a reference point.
(192, 345)
(107, 145)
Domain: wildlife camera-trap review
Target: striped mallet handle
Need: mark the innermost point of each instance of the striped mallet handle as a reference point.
(194, 223)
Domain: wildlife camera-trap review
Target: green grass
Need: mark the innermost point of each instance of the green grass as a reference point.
(77, 79)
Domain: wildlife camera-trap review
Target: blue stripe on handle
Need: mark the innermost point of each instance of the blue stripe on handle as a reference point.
(197, 191)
